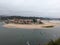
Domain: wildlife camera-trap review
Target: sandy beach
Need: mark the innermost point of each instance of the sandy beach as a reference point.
(30, 26)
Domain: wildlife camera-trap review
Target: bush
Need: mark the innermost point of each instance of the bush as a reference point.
(56, 42)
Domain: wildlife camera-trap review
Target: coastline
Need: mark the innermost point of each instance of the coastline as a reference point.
(30, 26)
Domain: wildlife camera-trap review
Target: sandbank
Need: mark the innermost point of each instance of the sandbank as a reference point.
(30, 26)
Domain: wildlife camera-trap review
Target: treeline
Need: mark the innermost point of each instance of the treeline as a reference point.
(22, 17)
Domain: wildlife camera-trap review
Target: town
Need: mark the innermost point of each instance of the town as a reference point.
(21, 20)
(24, 21)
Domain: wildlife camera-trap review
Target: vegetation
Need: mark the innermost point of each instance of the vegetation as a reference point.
(34, 20)
(22, 17)
(48, 26)
(56, 42)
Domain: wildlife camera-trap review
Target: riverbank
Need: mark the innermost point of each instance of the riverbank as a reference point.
(31, 26)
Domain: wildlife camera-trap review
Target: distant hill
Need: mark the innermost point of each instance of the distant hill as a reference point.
(25, 17)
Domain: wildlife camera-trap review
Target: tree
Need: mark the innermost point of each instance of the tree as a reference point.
(34, 20)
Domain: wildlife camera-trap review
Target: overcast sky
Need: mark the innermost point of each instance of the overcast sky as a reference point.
(46, 8)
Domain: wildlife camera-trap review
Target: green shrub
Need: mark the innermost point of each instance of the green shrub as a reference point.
(56, 42)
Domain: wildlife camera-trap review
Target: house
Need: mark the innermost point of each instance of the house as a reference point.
(39, 21)
(24, 21)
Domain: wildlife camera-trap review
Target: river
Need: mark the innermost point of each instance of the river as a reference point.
(15, 36)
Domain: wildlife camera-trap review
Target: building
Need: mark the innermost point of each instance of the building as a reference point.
(23, 21)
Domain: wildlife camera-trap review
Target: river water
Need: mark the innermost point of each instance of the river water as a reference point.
(15, 36)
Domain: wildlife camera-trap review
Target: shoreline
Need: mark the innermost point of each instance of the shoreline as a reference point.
(31, 26)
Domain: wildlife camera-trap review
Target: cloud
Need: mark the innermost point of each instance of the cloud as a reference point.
(46, 8)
